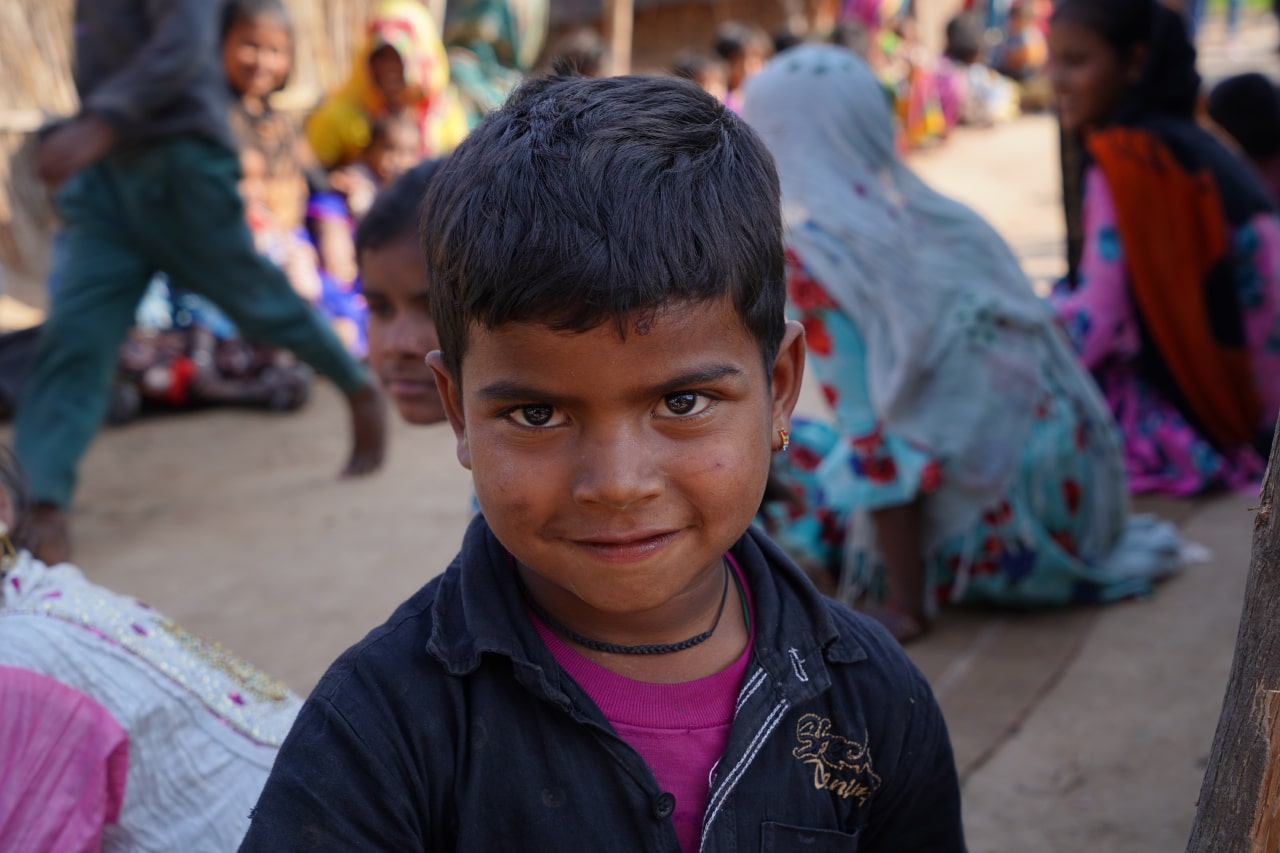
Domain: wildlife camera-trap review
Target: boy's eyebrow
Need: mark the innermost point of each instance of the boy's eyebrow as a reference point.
(505, 390)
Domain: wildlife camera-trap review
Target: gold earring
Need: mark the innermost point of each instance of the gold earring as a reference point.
(785, 435)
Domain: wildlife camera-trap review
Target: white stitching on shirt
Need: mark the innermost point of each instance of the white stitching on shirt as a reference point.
(797, 664)
(722, 793)
(753, 684)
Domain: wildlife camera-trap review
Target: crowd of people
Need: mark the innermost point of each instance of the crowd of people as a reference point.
(610, 287)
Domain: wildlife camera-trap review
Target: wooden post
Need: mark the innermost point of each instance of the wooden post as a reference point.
(618, 18)
(1239, 807)
(437, 10)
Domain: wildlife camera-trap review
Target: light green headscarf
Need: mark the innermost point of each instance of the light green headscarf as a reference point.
(492, 45)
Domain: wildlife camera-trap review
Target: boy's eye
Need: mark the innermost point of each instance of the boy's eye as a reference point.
(533, 416)
(684, 403)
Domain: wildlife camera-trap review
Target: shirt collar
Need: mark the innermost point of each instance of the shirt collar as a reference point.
(478, 610)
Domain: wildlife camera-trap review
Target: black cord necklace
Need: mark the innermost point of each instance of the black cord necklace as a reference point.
(616, 648)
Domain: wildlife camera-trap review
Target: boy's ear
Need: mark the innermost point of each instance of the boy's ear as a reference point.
(788, 372)
(451, 395)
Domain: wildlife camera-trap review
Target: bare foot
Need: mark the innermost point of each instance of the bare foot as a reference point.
(48, 535)
(904, 626)
(368, 430)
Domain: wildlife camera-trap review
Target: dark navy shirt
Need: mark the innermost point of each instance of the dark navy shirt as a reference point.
(451, 727)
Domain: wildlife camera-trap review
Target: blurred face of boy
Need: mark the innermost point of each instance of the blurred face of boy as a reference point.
(618, 471)
(395, 152)
(400, 329)
(256, 56)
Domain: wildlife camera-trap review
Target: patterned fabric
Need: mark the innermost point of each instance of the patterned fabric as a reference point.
(65, 759)
(1163, 450)
(948, 377)
(275, 135)
(492, 45)
(203, 725)
(339, 129)
(1058, 533)
(905, 262)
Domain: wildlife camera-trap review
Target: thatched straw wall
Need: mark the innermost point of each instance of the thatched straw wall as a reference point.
(35, 65)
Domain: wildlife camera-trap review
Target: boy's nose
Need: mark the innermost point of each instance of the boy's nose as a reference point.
(405, 339)
(617, 470)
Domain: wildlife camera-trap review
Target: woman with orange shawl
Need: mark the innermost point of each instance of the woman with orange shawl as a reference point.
(402, 68)
(1175, 303)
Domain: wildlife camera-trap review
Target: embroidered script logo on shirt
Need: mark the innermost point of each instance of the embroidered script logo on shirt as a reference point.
(840, 765)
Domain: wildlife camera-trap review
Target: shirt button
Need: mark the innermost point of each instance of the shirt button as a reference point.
(664, 805)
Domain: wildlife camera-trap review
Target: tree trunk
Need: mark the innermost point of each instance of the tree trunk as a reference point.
(1239, 806)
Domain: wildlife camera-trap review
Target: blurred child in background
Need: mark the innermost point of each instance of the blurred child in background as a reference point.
(708, 72)
(744, 49)
(1247, 107)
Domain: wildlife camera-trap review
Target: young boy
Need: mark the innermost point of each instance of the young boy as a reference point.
(709, 72)
(616, 659)
(146, 177)
(744, 49)
(1247, 107)
(393, 280)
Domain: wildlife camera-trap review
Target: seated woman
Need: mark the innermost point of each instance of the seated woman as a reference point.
(402, 68)
(972, 460)
(118, 729)
(492, 46)
(1175, 305)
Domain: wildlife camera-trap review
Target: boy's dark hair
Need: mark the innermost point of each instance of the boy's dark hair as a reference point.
(733, 38)
(238, 11)
(964, 39)
(394, 214)
(586, 201)
(693, 65)
(1247, 106)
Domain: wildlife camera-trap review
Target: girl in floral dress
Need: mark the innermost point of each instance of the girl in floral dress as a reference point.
(972, 460)
(1175, 303)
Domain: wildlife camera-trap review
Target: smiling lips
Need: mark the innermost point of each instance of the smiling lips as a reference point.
(627, 548)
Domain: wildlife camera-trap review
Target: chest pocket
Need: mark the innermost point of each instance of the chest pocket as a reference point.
(779, 837)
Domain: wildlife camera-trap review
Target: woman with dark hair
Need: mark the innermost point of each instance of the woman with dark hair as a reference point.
(1174, 303)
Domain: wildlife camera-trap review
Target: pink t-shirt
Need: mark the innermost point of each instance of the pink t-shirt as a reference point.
(680, 730)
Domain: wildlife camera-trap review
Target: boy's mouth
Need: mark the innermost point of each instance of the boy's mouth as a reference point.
(409, 386)
(627, 547)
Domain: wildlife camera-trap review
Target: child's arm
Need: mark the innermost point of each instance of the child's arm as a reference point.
(329, 789)
(155, 77)
(162, 71)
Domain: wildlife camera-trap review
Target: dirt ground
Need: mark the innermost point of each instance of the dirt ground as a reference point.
(1074, 730)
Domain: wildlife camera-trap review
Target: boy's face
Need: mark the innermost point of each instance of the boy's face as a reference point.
(400, 329)
(618, 472)
(256, 55)
(395, 152)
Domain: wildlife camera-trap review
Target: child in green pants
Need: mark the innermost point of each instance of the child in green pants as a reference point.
(146, 177)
